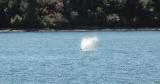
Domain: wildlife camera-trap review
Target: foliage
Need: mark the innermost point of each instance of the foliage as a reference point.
(56, 14)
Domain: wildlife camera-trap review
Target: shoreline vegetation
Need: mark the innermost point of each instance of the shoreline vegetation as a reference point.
(96, 29)
(79, 15)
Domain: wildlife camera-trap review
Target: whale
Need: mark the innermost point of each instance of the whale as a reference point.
(88, 43)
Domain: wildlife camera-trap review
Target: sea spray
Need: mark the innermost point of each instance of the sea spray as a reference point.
(88, 43)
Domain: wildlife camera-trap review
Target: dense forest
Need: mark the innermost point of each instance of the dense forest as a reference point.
(70, 14)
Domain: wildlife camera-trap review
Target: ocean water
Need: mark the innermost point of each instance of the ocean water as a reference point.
(55, 58)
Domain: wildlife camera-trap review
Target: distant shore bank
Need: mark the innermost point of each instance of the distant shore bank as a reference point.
(82, 30)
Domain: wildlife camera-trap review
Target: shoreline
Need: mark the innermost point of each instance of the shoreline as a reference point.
(81, 30)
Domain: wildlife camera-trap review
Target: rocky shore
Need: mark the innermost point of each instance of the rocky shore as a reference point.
(83, 30)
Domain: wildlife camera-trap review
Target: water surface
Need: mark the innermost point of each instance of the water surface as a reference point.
(55, 58)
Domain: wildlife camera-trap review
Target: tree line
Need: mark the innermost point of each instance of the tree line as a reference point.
(70, 14)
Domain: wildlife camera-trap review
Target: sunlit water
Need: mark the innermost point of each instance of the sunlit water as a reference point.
(56, 58)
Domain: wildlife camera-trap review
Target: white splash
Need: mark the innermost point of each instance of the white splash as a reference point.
(88, 43)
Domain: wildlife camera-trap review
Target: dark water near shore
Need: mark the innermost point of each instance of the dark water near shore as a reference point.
(55, 58)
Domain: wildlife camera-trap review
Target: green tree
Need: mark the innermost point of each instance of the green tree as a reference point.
(30, 18)
(3, 15)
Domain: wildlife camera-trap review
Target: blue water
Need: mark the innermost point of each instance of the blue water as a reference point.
(55, 58)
